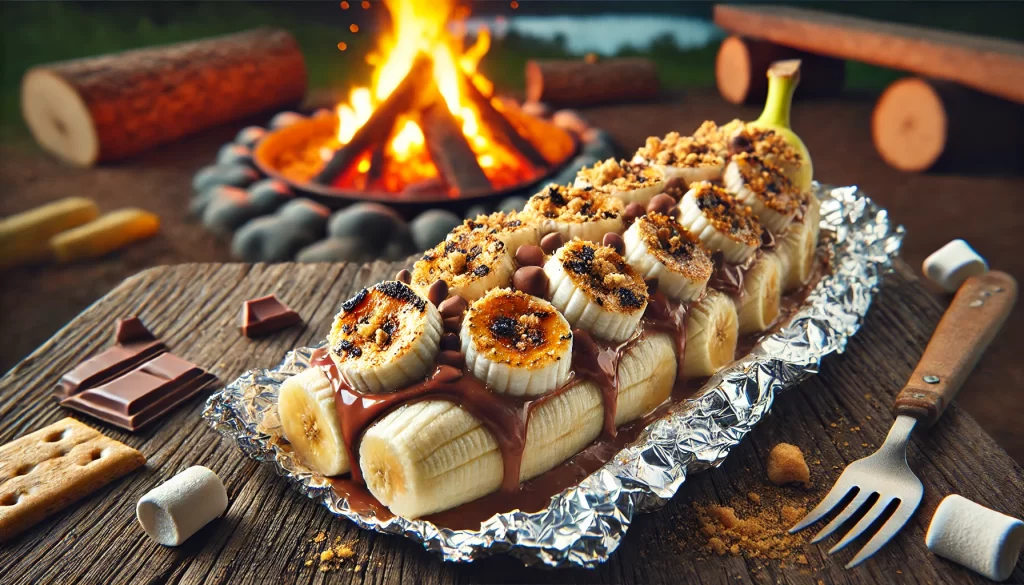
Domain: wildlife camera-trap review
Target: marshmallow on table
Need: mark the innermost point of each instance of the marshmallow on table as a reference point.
(980, 539)
(179, 507)
(952, 264)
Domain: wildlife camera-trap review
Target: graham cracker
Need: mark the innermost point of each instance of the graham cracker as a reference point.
(53, 467)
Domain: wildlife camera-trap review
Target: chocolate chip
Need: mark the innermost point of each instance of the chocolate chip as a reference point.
(450, 342)
(661, 203)
(614, 240)
(454, 306)
(437, 292)
(652, 285)
(633, 211)
(452, 324)
(531, 280)
(452, 358)
(530, 255)
(404, 276)
(740, 143)
(551, 242)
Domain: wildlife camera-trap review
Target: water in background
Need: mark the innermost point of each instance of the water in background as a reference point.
(604, 34)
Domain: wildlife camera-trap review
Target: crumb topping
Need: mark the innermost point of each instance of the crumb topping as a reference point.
(620, 175)
(705, 148)
(518, 329)
(726, 215)
(573, 204)
(466, 255)
(603, 274)
(762, 142)
(378, 324)
(676, 247)
(768, 182)
(786, 465)
(498, 224)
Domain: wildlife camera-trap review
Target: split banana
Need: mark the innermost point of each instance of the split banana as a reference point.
(310, 422)
(516, 343)
(627, 181)
(583, 213)
(757, 306)
(596, 290)
(710, 213)
(471, 261)
(763, 187)
(661, 248)
(711, 335)
(797, 246)
(385, 337)
(783, 77)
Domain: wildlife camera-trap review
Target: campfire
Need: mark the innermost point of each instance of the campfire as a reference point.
(428, 127)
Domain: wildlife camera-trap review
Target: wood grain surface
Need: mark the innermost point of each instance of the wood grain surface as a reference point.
(836, 417)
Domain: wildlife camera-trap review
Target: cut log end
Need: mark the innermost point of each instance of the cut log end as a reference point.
(58, 118)
(787, 68)
(743, 65)
(733, 70)
(909, 125)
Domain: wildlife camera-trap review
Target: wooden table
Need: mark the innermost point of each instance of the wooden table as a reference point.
(265, 536)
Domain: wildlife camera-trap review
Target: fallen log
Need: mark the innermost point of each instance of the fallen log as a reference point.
(502, 128)
(451, 153)
(579, 83)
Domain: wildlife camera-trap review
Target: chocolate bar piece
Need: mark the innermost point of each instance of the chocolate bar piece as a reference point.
(266, 315)
(143, 394)
(135, 345)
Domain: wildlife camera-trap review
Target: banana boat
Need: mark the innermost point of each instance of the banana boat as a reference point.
(494, 361)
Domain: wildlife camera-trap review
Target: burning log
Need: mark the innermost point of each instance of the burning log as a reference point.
(450, 151)
(579, 83)
(504, 131)
(405, 98)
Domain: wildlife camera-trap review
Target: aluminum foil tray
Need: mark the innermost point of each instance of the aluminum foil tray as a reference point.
(583, 525)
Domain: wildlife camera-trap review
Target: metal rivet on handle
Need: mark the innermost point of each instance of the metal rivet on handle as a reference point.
(976, 303)
(931, 379)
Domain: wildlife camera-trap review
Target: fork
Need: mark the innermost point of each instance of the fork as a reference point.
(977, 312)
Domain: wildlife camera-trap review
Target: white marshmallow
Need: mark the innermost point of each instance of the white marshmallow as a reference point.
(179, 507)
(980, 539)
(952, 264)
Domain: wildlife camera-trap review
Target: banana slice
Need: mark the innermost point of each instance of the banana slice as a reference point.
(583, 213)
(758, 304)
(517, 344)
(797, 247)
(720, 222)
(385, 337)
(661, 248)
(630, 182)
(310, 421)
(514, 229)
(686, 159)
(765, 188)
(596, 290)
(711, 335)
(471, 261)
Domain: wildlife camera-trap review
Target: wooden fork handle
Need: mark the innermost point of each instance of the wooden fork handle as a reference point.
(973, 318)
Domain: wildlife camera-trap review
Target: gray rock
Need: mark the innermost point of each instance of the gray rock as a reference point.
(202, 199)
(397, 250)
(228, 209)
(234, 154)
(268, 195)
(373, 222)
(306, 213)
(430, 227)
(233, 175)
(515, 203)
(249, 136)
(475, 210)
(598, 143)
(285, 119)
(567, 175)
(350, 249)
(247, 244)
(283, 240)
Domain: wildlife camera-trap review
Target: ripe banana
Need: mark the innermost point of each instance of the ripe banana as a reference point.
(516, 343)
(310, 421)
(758, 304)
(431, 456)
(711, 335)
(385, 337)
(513, 228)
(783, 77)
(630, 182)
(797, 246)
(583, 213)
(471, 261)
(596, 290)
(686, 159)
(765, 188)
(661, 248)
(710, 213)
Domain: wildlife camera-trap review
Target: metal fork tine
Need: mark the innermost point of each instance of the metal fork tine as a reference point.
(832, 498)
(851, 509)
(884, 534)
(872, 515)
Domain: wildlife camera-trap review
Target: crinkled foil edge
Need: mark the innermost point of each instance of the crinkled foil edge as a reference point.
(584, 524)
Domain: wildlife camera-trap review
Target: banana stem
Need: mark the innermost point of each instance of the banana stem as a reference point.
(783, 77)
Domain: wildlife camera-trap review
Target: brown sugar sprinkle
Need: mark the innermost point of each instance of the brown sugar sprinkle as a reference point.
(768, 182)
(727, 215)
(675, 247)
(752, 533)
(573, 204)
(620, 175)
(519, 329)
(604, 275)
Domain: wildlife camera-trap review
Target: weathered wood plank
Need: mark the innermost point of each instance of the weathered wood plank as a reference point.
(993, 66)
(265, 534)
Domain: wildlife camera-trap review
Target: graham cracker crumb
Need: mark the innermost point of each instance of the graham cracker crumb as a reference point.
(331, 558)
(786, 465)
(754, 497)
